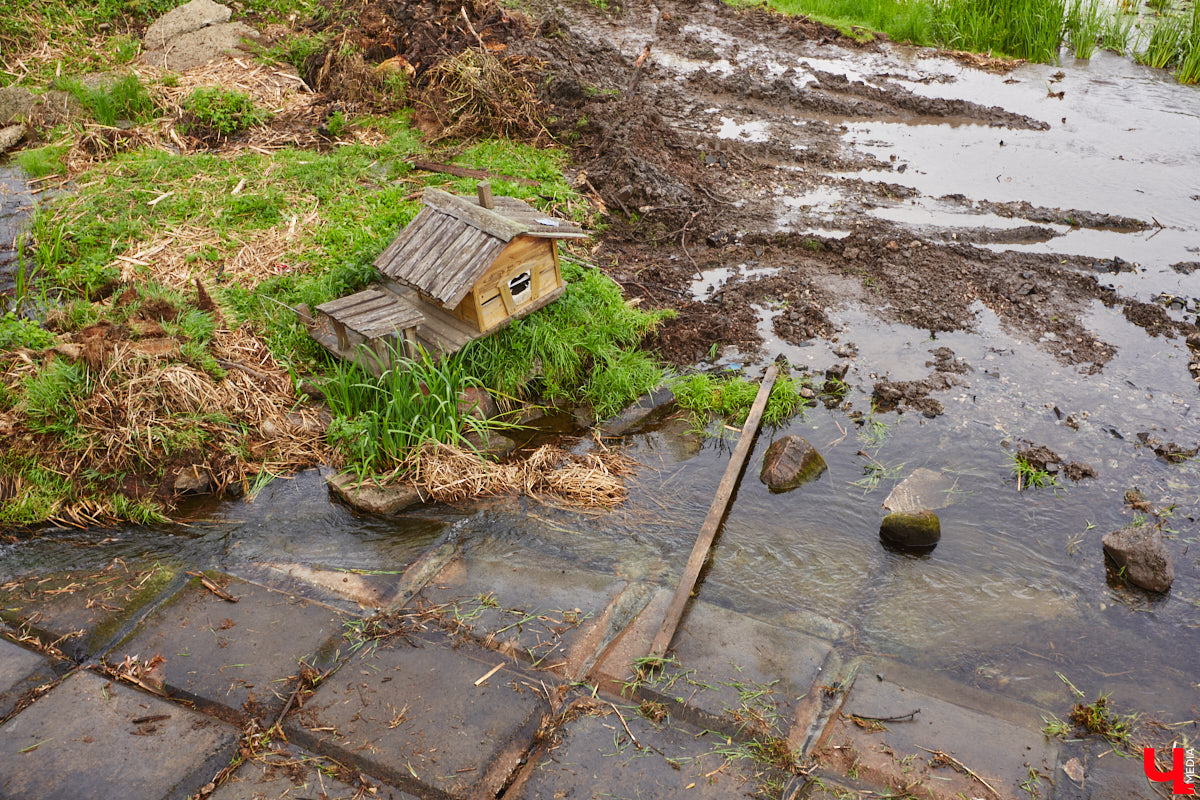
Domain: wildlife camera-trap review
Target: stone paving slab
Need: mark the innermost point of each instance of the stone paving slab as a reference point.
(543, 613)
(1003, 753)
(82, 611)
(737, 673)
(80, 740)
(593, 757)
(21, 671)
(411, 714)
(294, 774)
(353, 591)
(234, 655)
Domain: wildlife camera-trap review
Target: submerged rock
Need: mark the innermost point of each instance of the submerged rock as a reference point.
(371, 497)
(911, 528)
(1140, 552)
(789, 462)
(923, 489)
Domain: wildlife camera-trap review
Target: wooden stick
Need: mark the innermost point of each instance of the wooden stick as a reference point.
(691, 572)
(467, 172)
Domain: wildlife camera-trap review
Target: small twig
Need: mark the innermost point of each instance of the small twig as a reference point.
(636, 742)
(962, 768)
(900, 718)
(213, 587)
(490, 673)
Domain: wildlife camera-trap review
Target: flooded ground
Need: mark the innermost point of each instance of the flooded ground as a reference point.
(800, 173)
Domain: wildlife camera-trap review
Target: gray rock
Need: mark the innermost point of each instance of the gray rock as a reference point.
(911, 528)
(186, 18)
(10, 136)
(1141, 554)
(923, 489)
(789, 462)
(638, 412)
(198, 47)
(371, 497)
(192, 480)
(16, 103)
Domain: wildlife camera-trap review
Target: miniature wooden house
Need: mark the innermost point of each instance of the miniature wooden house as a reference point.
(463, 268)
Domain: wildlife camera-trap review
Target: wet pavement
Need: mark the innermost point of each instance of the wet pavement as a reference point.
(462, 672)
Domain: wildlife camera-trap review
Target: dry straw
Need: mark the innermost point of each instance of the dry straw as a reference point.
(449, 474)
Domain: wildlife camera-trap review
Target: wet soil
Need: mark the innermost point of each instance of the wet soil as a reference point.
(691, 199)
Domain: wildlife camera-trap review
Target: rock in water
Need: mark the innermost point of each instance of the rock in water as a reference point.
(911, 528)
(923, 489)
(371, 497)
(789, 462)
(1141, 552)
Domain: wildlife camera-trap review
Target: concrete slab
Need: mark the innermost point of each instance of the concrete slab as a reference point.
(352, 590)
(82, 612)
(541, 613)
(414, 717)
(734, 673)
(903, 754)
(236, 656)
(294, 773)
(21, 671)
(83, 739)
(593, 757)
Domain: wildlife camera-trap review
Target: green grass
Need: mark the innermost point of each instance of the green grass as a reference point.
(1030, 29)
(731, 397)
(215, 112)
(1029, 476)
(20, 332)
(377, 422)
(49, 394)
(121, 99)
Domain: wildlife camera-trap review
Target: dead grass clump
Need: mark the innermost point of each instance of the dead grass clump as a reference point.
(357, 85)
(450, 474)
(172, 258)
(158, 426)
(475, 93)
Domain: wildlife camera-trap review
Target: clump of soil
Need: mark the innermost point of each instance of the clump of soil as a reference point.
(947, 372)
(1043, 459)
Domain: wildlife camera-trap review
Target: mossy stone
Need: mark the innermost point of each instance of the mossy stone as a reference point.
(911, 528)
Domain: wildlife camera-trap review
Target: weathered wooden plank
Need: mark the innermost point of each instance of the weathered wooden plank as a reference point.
(439, 233)
(472, 258)
(425, 271)
(384, 317)
(365, 308)
(415, 224)
(468, 211)
(344, 304)
(691, 571)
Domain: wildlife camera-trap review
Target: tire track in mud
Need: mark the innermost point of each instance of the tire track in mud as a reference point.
(692, 197)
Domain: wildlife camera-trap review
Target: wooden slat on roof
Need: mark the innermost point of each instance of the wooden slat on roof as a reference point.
(452, 242)
(373, 312)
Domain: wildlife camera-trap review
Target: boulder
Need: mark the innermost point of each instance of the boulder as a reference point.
(10, 136)
(197, 48)
(186, 18)
(918, 529)
(477, 402)
(1141, 554)
(16, 103)
(371, 497)
(789, 462)
(192, 480)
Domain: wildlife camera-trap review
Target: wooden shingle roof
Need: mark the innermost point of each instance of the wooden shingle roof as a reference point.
(453, 240)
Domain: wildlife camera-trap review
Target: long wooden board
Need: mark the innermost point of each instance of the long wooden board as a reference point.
(691, 571)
